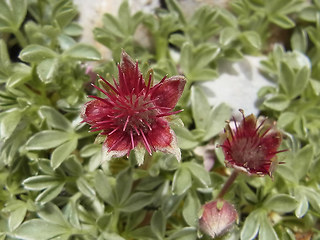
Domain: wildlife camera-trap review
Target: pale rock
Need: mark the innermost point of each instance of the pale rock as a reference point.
(237, 85)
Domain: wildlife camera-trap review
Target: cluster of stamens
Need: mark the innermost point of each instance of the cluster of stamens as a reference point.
(131, 111)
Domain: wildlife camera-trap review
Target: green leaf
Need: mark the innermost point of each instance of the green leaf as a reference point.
(73, 29)
(141, 233)
(124, 185)
(227, 17)
(281, 203)
(139, 153)
(198, 172)
(218, 116)
(186, 233)
(191, 209)
(282, 21)
(64, 15)
(181, 181)
(83, 52)
(18, 210)
(251, 226)
(303, 207)
(200, 107)
(112, 236)
(85, 188)
(21, 74)
(62, 152)
(286, 78)
(52, 214)
(36, 53)
(313, 197)
(112, 26)
(49, 194)
(41, 182)
(125, 15)
(173, 6)
(301, 81)
(177, 39)
(252, 38)
(287, 172)
(278, 102)
(12, 14)
(299, 40)
(47, 139)
(202, 74)
(228, 34)
(185, 138)
(103, 188)
(233, 54)
(45, 230)
(302, 161)
(136, 202)
(73, 167)
(104, 220)
(89, 150)
(5, 61)
(286, 118)
(204, 54)
(44, 166)
(158, 224)
(186, 57)
(308, 14)
(47, 70)
(54, 118)
(266, 231)
(9, 123)
(66, 42)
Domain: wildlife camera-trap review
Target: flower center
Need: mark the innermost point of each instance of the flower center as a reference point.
(136, 114)
(248, 152)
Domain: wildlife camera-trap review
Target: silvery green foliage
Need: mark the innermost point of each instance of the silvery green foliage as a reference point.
(53, 185)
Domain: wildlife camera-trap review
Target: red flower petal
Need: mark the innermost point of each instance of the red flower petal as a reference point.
(118, 141)
(163, 139)
(130, 76)
(94, 111)
(160, 136)
(168, 92)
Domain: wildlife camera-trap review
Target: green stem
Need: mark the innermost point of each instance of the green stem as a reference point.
(113, 225)
(161, 47)
(21, 38)
(85, 134)
(228, 184)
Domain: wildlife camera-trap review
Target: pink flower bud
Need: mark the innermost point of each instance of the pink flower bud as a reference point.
(217, 218)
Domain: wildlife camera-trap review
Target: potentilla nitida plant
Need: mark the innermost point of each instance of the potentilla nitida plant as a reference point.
(134, 115)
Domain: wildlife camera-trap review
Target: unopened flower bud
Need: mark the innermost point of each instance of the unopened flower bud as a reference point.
(217, 217)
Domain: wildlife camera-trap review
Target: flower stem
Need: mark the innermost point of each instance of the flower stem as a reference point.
(161, 48)
(113, 225)
(228, 184)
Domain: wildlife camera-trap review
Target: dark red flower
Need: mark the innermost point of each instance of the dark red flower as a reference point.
(134, 114)
(217, 217)
(252, 145)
